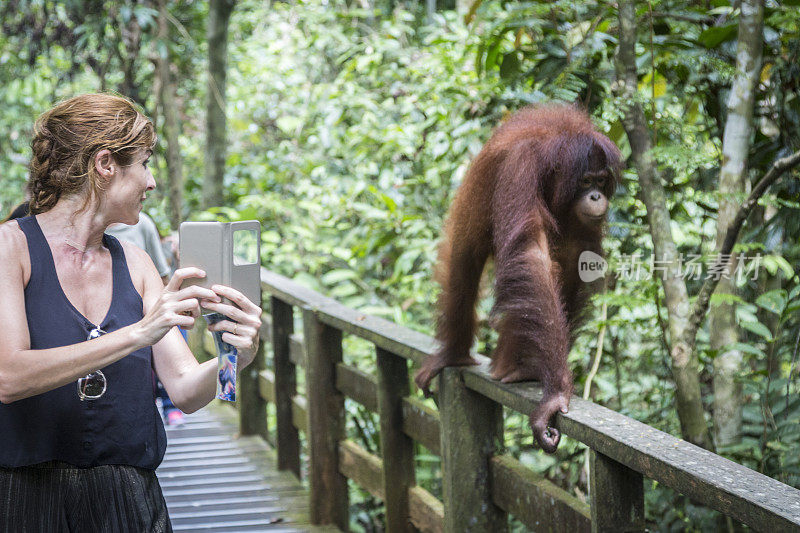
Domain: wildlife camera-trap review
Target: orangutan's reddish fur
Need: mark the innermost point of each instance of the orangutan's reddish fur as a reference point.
(516, 204)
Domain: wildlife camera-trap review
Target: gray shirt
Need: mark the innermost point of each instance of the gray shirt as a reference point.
(143, 234)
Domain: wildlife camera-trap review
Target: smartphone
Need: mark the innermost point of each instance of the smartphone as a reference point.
(228, 252)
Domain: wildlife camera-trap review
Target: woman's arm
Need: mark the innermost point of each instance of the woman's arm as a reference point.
(191, 385)
(25, 372)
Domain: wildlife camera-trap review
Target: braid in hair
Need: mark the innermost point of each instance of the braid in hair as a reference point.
(43, 193)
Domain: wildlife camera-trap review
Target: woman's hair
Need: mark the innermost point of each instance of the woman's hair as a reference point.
(67, 138)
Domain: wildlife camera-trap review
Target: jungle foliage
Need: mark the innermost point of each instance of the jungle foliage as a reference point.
(350, 127)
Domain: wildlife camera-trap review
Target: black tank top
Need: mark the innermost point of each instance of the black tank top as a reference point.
(121, 427)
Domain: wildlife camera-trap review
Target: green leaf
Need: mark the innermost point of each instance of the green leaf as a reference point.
(343, 290)
(510, 65)
(758, 328)
(125, 12)
(774, 262)
(791, 311)
(289, 124)
(405, 262)
(719, 298)
(773, 301)
(491, 56)
(714, 36)
(333, 277)
(747, 348)
(391, 204)
(795, 292)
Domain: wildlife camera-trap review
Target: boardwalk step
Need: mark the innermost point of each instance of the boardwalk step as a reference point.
(183, 455)
(204, 494)
(171, 465)
(212, 480)
(242, 526)
(241, 442)
(202, 472)
(208, 439)
(215, 482)
(224, 503)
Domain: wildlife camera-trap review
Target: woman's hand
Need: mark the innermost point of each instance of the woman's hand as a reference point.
(176, 306)
(241, 330)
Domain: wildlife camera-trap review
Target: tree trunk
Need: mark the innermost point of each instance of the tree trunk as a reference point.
(732, 187)
(169, 110)
(430, 8)
(463, 6)
(770, 283)
(131, 34)
(683, 357)
(218, 18)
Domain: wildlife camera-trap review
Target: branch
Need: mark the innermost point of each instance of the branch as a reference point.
(704, 297)
(587, 388)
(473, 9)
(697, 19)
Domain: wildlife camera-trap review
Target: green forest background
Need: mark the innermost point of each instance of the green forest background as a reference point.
(349, 124)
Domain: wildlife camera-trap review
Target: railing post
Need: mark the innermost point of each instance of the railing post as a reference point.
(617, 495)
(472, 429)
(252, 407)
(288, 438)
(329, 497)
(397, 449)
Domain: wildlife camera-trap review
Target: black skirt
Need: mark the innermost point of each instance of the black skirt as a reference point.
(58, 497)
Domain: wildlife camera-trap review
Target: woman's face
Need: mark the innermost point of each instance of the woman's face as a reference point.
(128, 188)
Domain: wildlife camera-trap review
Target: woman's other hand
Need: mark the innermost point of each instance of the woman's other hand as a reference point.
(176, 306)
(244, 321)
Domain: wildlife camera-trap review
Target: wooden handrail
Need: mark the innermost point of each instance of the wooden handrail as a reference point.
(624, 449)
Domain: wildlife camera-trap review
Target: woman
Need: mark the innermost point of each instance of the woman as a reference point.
(80, 446)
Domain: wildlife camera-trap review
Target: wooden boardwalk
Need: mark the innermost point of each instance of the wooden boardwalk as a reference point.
(215, 482)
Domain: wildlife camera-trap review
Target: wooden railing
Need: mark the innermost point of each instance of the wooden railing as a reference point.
(480, 484)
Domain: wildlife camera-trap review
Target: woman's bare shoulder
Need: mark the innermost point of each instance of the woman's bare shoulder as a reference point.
(14, 247)
(12, 239)
(140, 266)
(136, 257)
